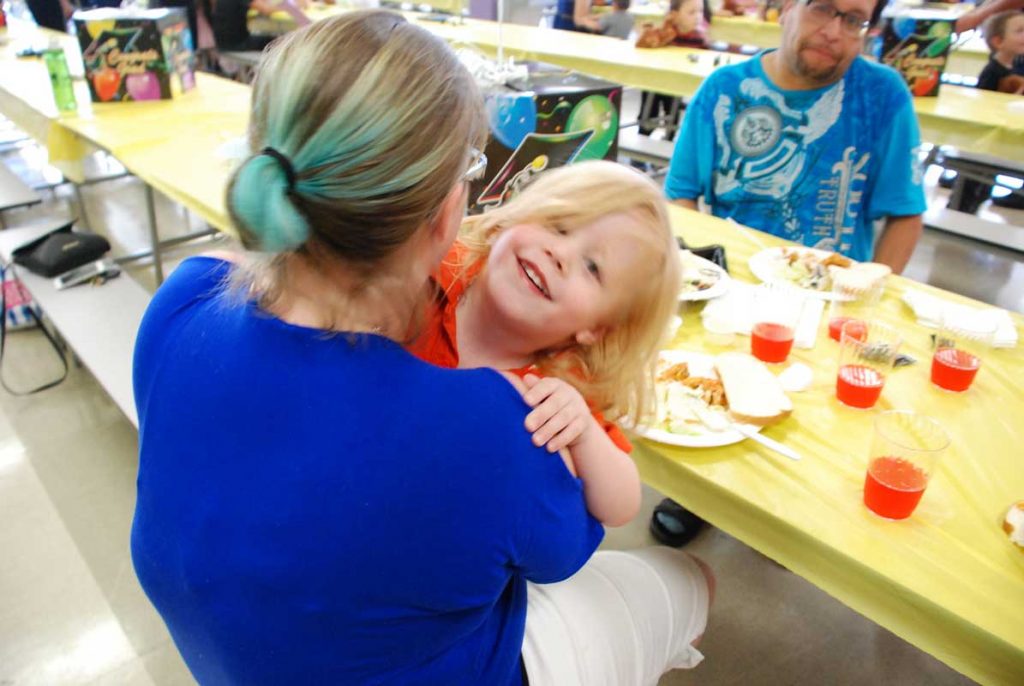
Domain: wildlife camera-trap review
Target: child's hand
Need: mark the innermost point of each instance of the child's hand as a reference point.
(560, 414)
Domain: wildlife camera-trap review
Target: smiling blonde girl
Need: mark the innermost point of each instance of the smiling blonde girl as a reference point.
(569, 286)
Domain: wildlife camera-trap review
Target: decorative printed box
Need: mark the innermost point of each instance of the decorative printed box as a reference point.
(135, 54)
(916, 44)
(551, 118)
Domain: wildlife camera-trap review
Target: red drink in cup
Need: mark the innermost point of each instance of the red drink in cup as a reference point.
(959, 346)
(893, 487)
(954, 369)
(866, 354)
(835, 326)
(855, 295)
(858, 385)
(777, 311)
(771, 342)
(904, 451)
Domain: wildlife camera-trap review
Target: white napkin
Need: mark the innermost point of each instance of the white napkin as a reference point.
(931, 310)
(734, 313)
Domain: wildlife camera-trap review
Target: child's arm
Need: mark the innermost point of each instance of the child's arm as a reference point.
(561, 419)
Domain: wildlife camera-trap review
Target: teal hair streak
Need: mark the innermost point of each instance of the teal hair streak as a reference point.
(354, 155)
(350, 150)
(260, 199)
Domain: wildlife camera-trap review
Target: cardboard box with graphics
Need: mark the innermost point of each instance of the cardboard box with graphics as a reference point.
(135, 55)
(916, 43)
(551, 118)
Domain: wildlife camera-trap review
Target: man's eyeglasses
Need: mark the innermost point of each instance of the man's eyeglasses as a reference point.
(821, 12)
(477, 167)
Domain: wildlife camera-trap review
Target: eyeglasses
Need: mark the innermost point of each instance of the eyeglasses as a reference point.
(821, 12)
(477, 167)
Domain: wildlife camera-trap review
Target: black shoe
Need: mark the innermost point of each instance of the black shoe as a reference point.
(1013, 201)
(673, 525)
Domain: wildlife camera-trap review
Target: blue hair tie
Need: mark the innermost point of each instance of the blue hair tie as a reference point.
(285, 164)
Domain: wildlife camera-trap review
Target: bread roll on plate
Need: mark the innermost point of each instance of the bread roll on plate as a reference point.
(752, 391)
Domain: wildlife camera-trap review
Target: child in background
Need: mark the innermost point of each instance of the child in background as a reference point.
(685, 25)
(1004, 34)
(689, 17)
(1004, 72)
(570, 286)
(618, 23)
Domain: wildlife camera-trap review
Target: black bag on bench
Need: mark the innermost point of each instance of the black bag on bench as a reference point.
(60, 251)
(50, 255)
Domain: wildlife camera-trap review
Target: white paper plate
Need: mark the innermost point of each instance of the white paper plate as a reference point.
(700, 365)
(768, 264)
(692, 264)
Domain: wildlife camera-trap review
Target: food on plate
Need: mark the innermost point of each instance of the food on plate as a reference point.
(682, 394)
(736, 385)
(828, 261)
(1013, 524)
(808, 268)
(711, 391)
(817, 270)
(697, 274)
(755, 395)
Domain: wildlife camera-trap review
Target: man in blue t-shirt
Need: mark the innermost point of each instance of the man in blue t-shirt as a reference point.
(810, 142)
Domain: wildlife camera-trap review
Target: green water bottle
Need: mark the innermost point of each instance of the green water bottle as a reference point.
(60, 78)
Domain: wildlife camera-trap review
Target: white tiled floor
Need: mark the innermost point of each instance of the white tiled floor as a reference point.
(71, 611)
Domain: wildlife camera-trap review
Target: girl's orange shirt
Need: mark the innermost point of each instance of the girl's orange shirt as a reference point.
(438, 342)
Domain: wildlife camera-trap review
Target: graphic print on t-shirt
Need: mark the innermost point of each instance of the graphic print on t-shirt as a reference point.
(767, 153)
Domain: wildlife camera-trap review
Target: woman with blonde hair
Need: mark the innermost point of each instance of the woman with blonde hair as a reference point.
(315, 504)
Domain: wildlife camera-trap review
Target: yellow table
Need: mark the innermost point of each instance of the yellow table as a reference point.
(979, 121)
(947, 580)
(678, 71)
(966, 59)
(215, 105)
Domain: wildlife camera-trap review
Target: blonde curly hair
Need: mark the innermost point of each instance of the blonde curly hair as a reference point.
(615, 374)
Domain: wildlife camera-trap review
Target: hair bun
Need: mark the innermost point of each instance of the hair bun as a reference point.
(260, 199)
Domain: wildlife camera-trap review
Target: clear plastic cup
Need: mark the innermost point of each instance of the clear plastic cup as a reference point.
(777, 311)
(904, 451)
(960, 346)
(867, 351)
(852, 298)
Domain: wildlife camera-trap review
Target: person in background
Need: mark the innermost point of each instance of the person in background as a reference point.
(810, 142)
(618, 23)
(1004, 72)
(1004, 34)
(685, 25)
(51, 14)
(230, 22)
(574, 15)
(315, 505)
(981, 12)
